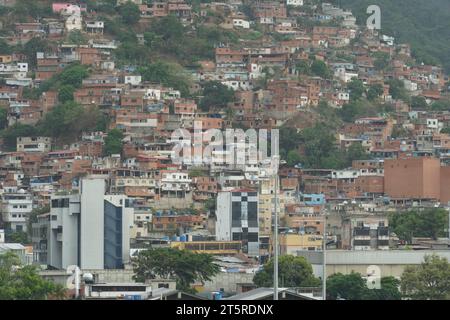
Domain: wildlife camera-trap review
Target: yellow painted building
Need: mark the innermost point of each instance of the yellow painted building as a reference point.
(266, 205)
(290, 243)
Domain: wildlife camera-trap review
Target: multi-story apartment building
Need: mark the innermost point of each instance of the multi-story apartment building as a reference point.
(416, 178)
(370, 233)
(89, 229)
(33, 144)
(237, 219)
(16, 206)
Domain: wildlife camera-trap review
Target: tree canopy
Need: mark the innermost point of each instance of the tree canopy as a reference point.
(293, 272)
(424, 223)
(18, 282)
(185, 266)
(356, 88)
(129, 12)
(353, 287)
(428, 281)
(168, 74)
(216, 95)
(113, 142)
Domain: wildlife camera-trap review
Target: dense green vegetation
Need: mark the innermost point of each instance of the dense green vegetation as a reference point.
(167, 263)
(425, 223)
(315, 147)
(64, 123)
(215, 94)
(427, 281)
(166, 38)
(425, 25)
(353, 287)
(293, 272)
(113, 142)
(18, 282)
(64, 82)
(167, 74)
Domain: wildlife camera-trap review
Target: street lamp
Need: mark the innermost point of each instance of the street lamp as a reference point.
(324, 262)
(274, 169)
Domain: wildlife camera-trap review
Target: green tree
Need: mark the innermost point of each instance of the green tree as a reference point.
(397, 90)
(3, 118)
(445, 130)
(167, 74)
(418, 103)
(428, 281)
(356, 88)
(293, 158)
(289, 140)
(113, 142)
(353, 287)
(152, 39)
(210, 205)
(425, 223)
(349, 287)
(293, 272)
(131, 52)
(359, 108)
(102, 122)
(67, 121)
(319, 148)
(169, 28)
(389, 290)
(18, 282)
(168, 263)
(356, 152)
(303, 67)
(4, 47)
(129, 13)
(408, 21)
(65, 93)
(320, 69)
(375, 91)
(215, 95)
(441, 105)
(381, 61)
(11, 134)
(17, 237)
(76, 37)
(33, 46)
(73, 75)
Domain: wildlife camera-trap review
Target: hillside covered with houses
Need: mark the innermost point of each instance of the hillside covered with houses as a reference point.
(91, 93)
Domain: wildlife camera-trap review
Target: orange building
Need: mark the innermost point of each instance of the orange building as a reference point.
(418, 178)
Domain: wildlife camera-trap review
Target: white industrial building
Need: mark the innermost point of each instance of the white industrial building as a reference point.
(89, 229)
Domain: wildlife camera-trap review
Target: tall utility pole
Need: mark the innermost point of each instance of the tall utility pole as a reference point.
(275, 264)
(324, 262)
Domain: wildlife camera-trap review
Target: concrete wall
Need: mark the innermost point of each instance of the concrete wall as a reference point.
(223, 214)
(228, 281)
(92, 222)
(111, 275)
(390, 262)
(69, 254)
